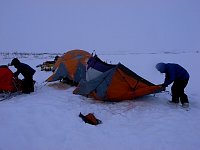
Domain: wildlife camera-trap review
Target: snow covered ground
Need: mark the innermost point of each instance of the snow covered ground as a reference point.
(48, 118)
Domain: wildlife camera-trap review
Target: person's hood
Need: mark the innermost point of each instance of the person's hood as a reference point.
(161, 67)
(15, 62)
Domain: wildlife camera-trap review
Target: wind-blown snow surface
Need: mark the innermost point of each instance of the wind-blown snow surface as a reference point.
(48, 118)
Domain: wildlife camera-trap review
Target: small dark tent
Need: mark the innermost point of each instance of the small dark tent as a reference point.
(113, 82)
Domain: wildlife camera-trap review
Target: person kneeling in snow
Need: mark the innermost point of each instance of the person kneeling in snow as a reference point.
(180, 77)
(27, 72)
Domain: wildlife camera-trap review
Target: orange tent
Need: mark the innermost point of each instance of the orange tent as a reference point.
(70, 66)
(113, 82)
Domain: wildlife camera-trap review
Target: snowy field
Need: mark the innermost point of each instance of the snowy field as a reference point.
(48, 118)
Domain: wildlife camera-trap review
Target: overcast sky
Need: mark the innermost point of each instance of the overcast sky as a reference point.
(113, 25)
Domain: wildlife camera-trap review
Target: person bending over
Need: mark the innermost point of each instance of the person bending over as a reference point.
(176, 74)
(27, 72)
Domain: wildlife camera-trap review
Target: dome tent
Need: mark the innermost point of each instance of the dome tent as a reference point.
(71, 66)
(113, 82)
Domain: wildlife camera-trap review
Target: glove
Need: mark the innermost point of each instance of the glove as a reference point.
(16, 75)
(162, 87)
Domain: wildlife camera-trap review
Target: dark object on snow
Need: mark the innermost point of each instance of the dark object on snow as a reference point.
(48, 65)
(56, 58)
(90, 118)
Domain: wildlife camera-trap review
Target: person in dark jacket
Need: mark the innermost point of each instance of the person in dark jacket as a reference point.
(27, 72)
(180, 77)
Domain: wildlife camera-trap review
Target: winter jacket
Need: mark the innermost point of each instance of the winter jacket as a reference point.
(174, 72)
(25, 70)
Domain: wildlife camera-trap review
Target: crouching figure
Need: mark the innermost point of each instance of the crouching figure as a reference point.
(27, 72)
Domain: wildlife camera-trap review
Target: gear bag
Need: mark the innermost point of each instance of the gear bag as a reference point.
(90, 118)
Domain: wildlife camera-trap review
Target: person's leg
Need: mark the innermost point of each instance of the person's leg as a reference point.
(175, 92)
(183, 96)
(25, 86)
(32, 85)
(28, 85)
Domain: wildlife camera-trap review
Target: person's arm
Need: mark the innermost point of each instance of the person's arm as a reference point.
(169, 77)
(16, 73)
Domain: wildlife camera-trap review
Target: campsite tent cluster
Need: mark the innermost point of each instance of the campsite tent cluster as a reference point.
(91, 76)
(99, 80)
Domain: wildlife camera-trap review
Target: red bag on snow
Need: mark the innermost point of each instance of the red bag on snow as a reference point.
(90, 118)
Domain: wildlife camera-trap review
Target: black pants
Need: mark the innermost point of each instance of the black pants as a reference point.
(178, 91)
(27, 85)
